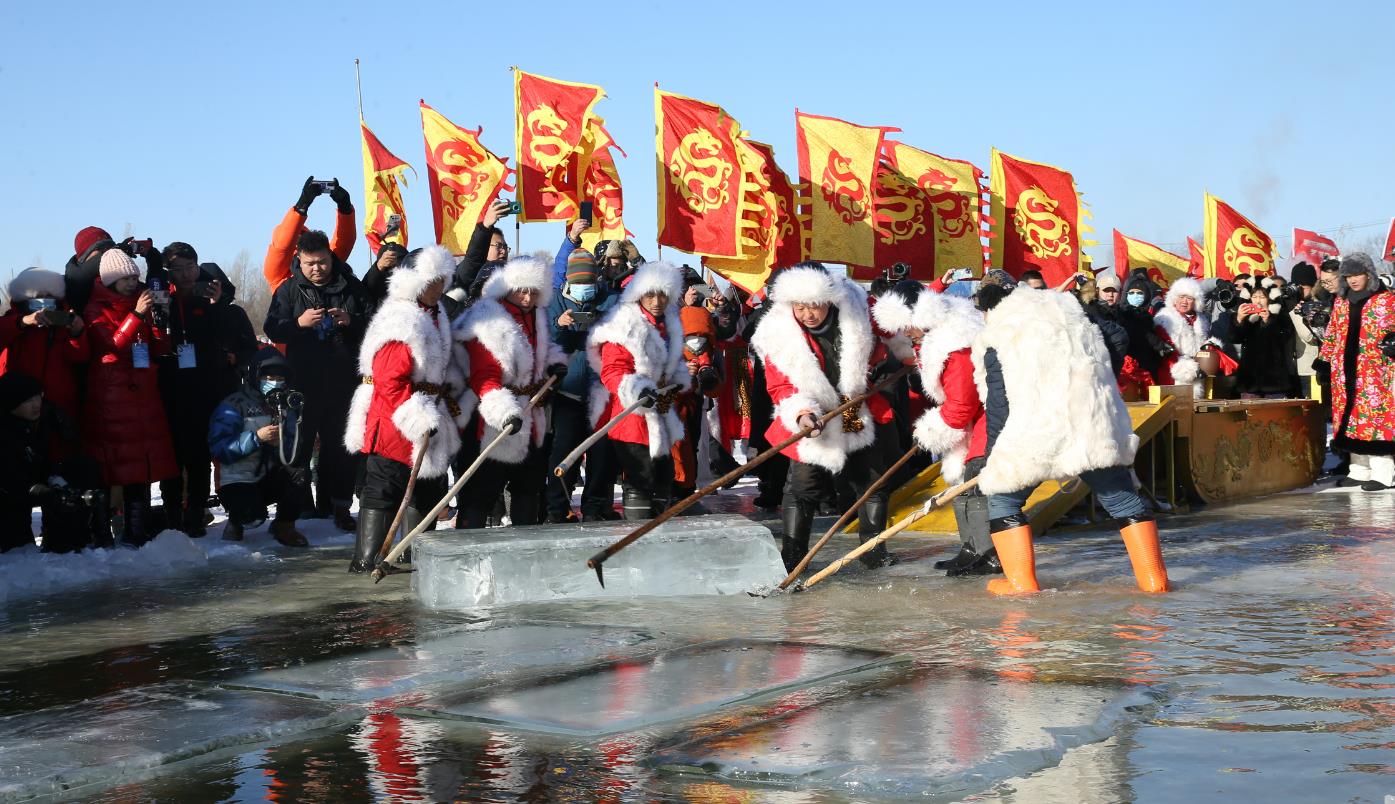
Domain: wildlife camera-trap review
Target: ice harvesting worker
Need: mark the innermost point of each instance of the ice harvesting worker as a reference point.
(942, 329)
(637, 352)
(1053, 411)
(407, 401)
(510, 356)
(817, 346)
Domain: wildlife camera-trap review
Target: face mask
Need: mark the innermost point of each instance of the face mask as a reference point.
(582, 293)
(1135, 298)
(268, 385)
(697, 344)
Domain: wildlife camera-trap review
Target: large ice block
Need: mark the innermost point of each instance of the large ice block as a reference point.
(705, 555)
(674, 685)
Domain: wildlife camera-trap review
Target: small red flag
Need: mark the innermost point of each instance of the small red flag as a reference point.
(1312, 247)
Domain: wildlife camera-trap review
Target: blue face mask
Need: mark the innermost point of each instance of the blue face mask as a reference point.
(582, 293)
(1135, 298)
(268, 385)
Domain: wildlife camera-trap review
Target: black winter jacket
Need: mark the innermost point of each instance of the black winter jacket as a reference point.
(322, 357)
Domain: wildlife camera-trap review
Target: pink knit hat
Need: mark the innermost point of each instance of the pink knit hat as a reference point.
(116, 264)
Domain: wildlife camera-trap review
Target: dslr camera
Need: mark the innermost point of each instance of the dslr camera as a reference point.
(897, 272)
(1224, 293)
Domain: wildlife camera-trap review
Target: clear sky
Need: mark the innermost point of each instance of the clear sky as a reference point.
(199, 121)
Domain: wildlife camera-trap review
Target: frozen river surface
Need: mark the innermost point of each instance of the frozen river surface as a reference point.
(256, 673)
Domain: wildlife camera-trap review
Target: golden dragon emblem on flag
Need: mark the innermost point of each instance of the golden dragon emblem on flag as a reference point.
(898, 210)
(1036, 221)
(1245, 252)
(842, 189)
(700, 173)
(545, 143)
(951, 208)
(461, 162)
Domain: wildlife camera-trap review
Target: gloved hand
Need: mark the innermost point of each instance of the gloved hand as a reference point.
(558, 370)
(809, 421)
(648, 398)
(884, 369)
(1167, 350)
(307, 195)
(1387, 345)
(513, 424)
(341, 198)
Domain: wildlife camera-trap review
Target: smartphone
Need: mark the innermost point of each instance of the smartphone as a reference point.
(587, 208)
(584, 318)
(59, 318)
(201, 289)
(962, 274)
(514, 207)
(327, 186)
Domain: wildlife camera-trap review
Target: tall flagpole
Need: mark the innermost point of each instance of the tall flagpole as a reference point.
(358, 80)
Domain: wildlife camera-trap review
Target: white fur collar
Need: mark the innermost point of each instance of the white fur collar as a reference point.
(950, 324)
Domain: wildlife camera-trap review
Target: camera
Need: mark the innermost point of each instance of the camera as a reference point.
(282, 400)
(707, 378)
(584, 318)
(325, 329)
(897, 272)
(135, 248)
(160, 295)
(326, 186)
(1224, 293)
(1315, 314)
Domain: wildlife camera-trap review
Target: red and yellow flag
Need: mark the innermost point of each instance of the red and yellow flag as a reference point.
(838, 160)
(1196, 259)
(1234, 245)
(462, 176)
(382, 194)
(772, 233)
(955, 189)
(1163, 267)
(602, 186)
(699, 176)
(1037, 213)
(550, 123)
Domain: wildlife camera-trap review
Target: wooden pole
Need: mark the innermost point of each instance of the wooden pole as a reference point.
(406, 501)
(575, 455)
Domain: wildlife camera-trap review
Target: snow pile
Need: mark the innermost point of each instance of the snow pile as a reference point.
(26, 572)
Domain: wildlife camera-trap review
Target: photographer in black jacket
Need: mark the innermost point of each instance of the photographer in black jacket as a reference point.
(320, 313)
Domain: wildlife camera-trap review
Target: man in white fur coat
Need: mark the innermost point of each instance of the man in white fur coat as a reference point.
(1053, 411)
(818, 349)
(942, 330)
(511, 354)
(408, 398)
(637, 352)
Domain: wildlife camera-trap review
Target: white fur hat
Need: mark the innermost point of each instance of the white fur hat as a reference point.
(418, 270)
(31, 283)
(664, 277)
(520, 273)
(806, 286)
(895, 309)
(1186, 286)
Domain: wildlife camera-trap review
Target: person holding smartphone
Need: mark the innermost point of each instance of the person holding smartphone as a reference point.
(42, 337)
(571, 314)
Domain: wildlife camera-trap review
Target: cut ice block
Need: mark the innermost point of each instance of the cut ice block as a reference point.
(126, 734)
(674, 685)
(927, 732)
(704, 555)
(460, 659)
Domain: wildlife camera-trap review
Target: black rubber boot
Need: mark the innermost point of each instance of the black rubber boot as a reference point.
(135, 509)
(638, 505)
(410, 520)
(799, 520)
(985, 564)
(963, 558)
(373, 524)
(870, 524)
(194, 524)
(101, 523)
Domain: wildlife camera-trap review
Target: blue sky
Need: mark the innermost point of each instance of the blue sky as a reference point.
(199, 122)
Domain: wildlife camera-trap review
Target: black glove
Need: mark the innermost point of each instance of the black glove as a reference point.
(882, 370)
(307, 195)
(707, 378)
(340, 196)
(1167, 350)
(1387, 345)
(648, 398)
(558, 370)
(513, 424)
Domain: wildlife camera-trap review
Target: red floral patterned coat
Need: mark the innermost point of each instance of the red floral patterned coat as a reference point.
(1372, 417)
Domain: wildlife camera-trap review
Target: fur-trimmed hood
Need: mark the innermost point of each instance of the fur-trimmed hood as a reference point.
(1065, 414)
(807, 286)
(664, 277)
(520, 273)
(31, 283)
(1185, 286)
(415, 274)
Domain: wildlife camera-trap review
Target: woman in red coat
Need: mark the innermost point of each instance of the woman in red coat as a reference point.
(35, 341)
(124, 421)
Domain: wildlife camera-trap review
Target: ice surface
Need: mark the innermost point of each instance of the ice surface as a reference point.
(458, 569)
(128, 733)
(625, 695)
(925, 732)
(459, 659)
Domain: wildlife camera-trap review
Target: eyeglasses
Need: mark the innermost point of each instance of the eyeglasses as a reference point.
(500, 247)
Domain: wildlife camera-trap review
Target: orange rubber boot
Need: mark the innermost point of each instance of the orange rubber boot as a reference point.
(1145, 553)
(1014, 548)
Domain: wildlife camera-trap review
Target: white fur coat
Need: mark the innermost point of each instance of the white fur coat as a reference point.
(522, 364)
(1065, 414)
(780, 342)
(658, 363)
(1187, 338)
(404, 321)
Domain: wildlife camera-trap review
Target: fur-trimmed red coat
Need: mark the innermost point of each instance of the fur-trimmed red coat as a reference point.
(124, 425)
(794, 370)
(631, 351)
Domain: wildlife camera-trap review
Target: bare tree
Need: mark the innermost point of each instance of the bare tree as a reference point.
(253, 294)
